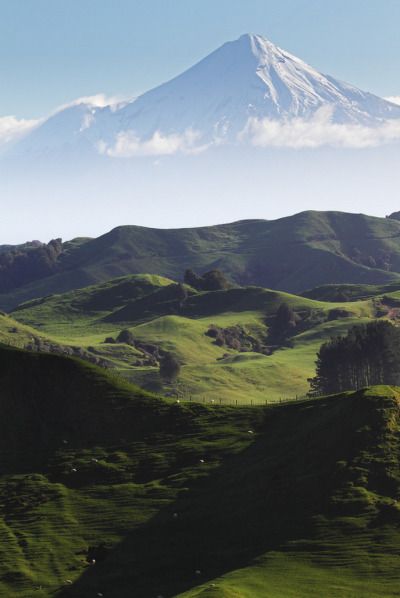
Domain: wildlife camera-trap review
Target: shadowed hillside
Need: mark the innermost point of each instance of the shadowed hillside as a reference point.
(111, 492)
(292, 254)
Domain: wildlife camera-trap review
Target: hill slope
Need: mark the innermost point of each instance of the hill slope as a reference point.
(116, 493)
(293, 254)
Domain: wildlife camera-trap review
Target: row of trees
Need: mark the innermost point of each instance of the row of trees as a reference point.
(369, 354)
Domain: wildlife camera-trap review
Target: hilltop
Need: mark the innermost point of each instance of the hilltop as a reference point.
(224, 499)
(292, 254)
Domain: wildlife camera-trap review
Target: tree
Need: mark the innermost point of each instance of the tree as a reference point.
(181, 293)
(192, 279)
(369, 354)
(126, 336)
(394, 216)
(283, 324)
(214, 280)
(169, 368)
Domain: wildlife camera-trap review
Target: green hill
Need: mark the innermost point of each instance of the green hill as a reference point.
(291, 254)
(164, 316)
(108, 491)
(349, 292)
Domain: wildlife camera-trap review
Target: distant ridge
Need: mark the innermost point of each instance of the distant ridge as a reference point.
(294, 254)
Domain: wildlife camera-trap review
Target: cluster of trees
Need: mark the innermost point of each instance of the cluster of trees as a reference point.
(214, 280)
(369, 354)
(22, 265)
(237, 338)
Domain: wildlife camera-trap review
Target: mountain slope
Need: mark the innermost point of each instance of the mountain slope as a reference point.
(116, 493)
(249, 77)
(293, 254)
(209, 103)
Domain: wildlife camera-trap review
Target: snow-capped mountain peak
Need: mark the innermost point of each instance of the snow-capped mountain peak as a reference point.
(248, 78)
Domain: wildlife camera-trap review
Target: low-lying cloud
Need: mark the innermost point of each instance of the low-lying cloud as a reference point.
(12, 128)
(129, 145)
(98, 100)
(394, 99)
(318, 131)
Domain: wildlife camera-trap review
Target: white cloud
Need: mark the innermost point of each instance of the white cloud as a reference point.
(394, 99)
(317, 131)
(98, 100)
(128, 144)
(12, 128)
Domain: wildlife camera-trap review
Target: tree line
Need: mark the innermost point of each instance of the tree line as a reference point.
(369, 354)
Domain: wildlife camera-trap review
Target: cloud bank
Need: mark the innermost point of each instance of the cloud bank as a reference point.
(98, 100)
(394, 99)
(129, 145)
(12, 128)
(318, 131)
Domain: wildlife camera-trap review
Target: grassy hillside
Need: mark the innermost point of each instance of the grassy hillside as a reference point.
(106, 491)
(154, 311)
(292, 254)
(349, 292)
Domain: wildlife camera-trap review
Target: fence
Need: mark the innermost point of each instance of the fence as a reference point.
(235, 403)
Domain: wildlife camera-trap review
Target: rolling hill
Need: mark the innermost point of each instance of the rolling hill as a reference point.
(291, 254)
(107, 491)
(224, 339)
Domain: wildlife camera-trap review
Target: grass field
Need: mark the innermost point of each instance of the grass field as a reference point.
(106, 490)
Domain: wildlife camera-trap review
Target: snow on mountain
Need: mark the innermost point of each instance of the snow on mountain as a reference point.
(246, 80)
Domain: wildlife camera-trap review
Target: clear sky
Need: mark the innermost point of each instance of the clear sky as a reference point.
(54, 51)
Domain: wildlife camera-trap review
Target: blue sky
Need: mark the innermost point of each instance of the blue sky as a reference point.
(53, 51)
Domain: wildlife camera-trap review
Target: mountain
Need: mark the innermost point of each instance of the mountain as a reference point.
(210, 103)
(292, 254)
(109, 491)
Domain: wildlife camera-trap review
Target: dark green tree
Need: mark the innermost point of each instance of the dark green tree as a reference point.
(126, 336)
(284, 322)
(369, 354)
(214, 280)
(169, 368)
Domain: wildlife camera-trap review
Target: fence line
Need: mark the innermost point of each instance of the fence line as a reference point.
(206, 400)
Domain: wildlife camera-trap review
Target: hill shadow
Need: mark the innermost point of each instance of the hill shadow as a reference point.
(257, 501)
